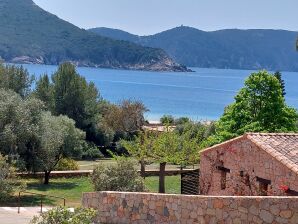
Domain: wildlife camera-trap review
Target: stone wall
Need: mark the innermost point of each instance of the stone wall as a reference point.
(244, 164)
(118, 207)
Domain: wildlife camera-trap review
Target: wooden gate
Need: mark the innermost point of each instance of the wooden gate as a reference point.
(190, 182)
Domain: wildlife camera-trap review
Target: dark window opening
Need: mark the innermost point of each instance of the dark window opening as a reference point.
(221, 168)
(263, 186)
(223, 180)
(241, 173)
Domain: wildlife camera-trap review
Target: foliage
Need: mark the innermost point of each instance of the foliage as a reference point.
(259, 107)
(122, 176)
(261, 48)
(70, 94)
(92, 152)
(42, 37)
(15, 78)
(9, 183)
(167, 120)
(19, 119)
(61, 215)
(67, 164)
(59, 138)
(126, 119)
(282, 82)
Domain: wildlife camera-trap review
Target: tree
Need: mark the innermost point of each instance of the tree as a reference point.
(259, 107)
(45, 92)
(59, 138)
(126, 119)
(140, 148)
(167, 120)
(281, 81)
(165, 150)
(77, 99)
(15, 78)
(8, 180)
(19, 127)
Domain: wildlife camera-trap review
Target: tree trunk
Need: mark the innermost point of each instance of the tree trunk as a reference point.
(47, 177)
(143, 173)
(162, 169)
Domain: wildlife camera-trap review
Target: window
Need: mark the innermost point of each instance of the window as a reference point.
(263, 186)
(223, 180)
(223, 177)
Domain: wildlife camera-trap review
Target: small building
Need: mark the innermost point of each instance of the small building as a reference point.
(251, 165)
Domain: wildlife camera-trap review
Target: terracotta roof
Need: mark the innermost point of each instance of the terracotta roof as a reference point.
(282, 146)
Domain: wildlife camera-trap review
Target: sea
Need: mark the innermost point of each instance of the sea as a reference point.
(201, 95)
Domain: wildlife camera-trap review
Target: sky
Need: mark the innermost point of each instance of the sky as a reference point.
(145, 17)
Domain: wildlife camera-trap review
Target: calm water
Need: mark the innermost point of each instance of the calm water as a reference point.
(199, 95)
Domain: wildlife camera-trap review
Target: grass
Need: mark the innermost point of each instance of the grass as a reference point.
(72, 189)
(90, 165)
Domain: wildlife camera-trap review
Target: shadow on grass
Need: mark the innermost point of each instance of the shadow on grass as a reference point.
(29, 201)
(52, 186)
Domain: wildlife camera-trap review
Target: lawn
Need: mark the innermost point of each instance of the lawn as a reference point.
(72, 189)
(90, 165)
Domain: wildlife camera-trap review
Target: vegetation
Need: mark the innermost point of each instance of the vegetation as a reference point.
(122, 176)
(8, 181)
(259, 107)
(64, 215)
(222, 48)
(67, 164)
(44, 38)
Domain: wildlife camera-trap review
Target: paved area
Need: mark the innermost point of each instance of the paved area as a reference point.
(9, 215)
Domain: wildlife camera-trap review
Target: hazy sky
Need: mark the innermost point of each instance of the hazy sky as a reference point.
(152, 16)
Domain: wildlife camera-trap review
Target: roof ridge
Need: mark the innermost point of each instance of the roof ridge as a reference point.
(272, 134)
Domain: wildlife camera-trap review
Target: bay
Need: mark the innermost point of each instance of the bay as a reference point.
(200, 95)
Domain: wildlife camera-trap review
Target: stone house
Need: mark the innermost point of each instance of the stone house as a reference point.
(250, 165)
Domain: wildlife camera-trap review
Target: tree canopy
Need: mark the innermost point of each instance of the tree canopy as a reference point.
(259, 107)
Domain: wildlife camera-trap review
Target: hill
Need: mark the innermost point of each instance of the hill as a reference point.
(232, 48)
(31, 35)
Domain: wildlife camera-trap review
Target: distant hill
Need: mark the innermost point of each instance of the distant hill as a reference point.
(236, 49)
(31, 35)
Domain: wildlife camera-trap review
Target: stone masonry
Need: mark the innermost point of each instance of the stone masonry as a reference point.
(141, 208)
(253, 164)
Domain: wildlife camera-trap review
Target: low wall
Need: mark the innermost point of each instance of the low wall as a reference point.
(118, 207)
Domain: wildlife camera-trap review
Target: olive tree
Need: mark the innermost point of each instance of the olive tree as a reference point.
(59, 138)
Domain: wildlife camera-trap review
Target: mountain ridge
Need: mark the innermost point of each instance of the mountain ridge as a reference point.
(30, 34)
(229, 48)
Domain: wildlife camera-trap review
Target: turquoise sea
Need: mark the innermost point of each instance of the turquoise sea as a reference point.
(201, 95)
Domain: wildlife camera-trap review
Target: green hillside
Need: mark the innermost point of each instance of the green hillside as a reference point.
(236, 49)
(32, 35)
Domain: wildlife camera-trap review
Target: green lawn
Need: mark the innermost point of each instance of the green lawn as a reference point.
(72, 189)
(90, 165)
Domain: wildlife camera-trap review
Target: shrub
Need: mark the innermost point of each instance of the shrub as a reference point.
(167, 120)
(63, 215)
(122, 176)
(92, 152)
(9, 183)
(67, 164)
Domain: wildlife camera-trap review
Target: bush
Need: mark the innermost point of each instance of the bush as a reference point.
(92, 152)
(62, 215)
(167, 120)
(9, 183)
(122, 176)
(67, 164)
